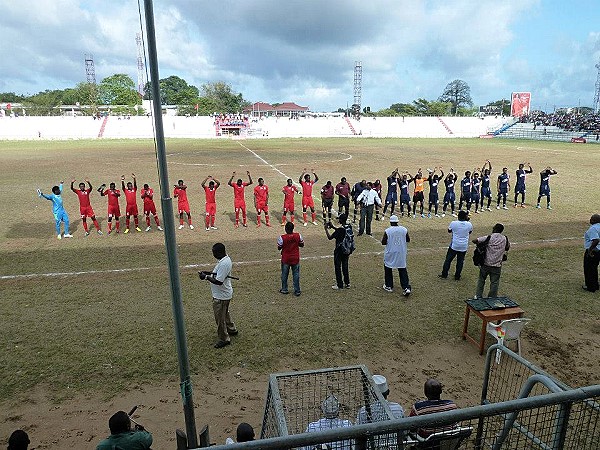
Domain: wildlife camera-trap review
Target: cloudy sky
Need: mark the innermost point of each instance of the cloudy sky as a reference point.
(305, 50)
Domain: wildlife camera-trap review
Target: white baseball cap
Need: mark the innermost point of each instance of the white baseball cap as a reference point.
(394, 218)
(380, 382)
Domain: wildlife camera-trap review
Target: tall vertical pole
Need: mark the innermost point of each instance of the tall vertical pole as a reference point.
(169, 227)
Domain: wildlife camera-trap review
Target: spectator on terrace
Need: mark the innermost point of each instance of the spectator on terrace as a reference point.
(18, 440)
(244, 433)
(433, 404)
(591, 256)
(331, 411)
(123, 437)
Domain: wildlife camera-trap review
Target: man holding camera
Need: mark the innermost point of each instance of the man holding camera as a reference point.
(122, 436)
(222, 293)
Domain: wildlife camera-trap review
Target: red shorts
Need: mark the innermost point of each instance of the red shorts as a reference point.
(150, 209)
(288, 206)
(114, 211)
(211, 209)
(239, 205)
(184, 208)
(262, 206)
(131, 210)
(308, 202)
(86, 212)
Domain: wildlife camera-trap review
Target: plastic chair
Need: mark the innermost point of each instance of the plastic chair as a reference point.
(444, 440)
(507, 330)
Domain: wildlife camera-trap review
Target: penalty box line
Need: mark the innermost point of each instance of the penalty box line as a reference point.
(422, 250)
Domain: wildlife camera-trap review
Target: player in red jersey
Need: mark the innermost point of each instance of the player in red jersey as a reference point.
(307, 200)
(288, 201)
(114, 210)
(85, 208)
(239, 199)
(147, 195)
(261, 201)
(131, 208)
(183, 206)
(211, 202)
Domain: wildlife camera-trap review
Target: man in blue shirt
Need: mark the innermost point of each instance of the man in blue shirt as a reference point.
(520, 183)
(465, 191)
(486, 190)
(503, 186)
(449, 196)
(60, 215)
(545, 186)
(392, 193)
(591, 257)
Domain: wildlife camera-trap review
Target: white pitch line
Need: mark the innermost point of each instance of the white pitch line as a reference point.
(243, 263)
(265, 161)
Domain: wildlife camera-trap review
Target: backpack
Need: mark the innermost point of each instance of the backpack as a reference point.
(347, 246)
(480, 250)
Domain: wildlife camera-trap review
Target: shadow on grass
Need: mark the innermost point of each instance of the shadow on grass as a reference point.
(37, 230)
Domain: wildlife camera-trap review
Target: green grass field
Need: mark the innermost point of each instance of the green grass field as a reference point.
(103, 332)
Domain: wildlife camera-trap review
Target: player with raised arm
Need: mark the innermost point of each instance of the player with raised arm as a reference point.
(131, 208)
(404, 183)
(58, 209)
(391, 198)
(261, 202)
(434, 196)
(307, 200)
(520, 183)
(210, 192)
(288, 201)
(486, 190)
(377, 187)
(147, 195)
(114, 210)
(503, 186)
(183, 206)
(449, 195)
(418, 194)
(239, 198)
(476, 189)
(85, 207)
(545, 186)
(465, 191)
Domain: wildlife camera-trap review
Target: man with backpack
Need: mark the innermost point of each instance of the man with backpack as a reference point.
(395, 239)
(495, 251)
(344, 246)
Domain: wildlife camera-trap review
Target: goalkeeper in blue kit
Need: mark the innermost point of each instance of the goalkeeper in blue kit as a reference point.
(60, 215)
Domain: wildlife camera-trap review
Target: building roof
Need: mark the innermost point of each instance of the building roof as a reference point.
(286, 106)
(290, 106)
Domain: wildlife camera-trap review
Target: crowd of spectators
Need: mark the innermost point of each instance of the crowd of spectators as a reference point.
(573, 121)
(231, 120)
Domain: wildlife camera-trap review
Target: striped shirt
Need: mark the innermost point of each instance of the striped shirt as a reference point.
(430, 407)
(329, 424)
(496, 247)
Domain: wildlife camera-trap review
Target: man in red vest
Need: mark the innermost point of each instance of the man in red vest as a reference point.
(289, 244)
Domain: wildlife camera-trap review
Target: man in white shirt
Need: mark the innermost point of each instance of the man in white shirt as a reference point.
(222, 293)
(395, 239)
(367, 199)
(331, 410)
(460, 229)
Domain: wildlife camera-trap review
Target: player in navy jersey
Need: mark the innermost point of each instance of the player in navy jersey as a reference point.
(486, 190)
(545, 186)
(503, 186)
(520, 183)
(391, 197)
(377, 188)
(465, 191)
(404, 195)
(434, 197)
(450, 195)
(475, 190)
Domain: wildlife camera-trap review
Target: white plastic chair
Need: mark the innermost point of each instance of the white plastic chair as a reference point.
(507, 330)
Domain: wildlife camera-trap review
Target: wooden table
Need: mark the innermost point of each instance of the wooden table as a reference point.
(488, 315)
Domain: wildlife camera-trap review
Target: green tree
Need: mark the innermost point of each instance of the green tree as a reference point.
(174, 91)
(118, 89)
(458, 93)
(404, 109)
(11, 97)
(223, 99)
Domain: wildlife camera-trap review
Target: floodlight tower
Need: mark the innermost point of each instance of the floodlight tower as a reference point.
(597, 92)
(357, 88)
(141, 78)
(90, 75)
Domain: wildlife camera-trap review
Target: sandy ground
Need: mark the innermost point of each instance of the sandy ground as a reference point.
(237, 395)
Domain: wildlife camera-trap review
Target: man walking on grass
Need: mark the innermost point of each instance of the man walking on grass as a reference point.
(395, 239)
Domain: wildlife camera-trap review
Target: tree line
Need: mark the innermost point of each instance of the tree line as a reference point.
(119, 92)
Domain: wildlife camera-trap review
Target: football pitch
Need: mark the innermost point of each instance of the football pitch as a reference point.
(91, 316)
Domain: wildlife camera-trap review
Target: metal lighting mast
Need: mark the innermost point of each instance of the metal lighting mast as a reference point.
(166, 201)
(141, 73)
(90, 76)
(356, 109)
(597, 91)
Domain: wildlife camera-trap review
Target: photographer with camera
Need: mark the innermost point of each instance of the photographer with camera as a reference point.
(222, 293)
(123, 437)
